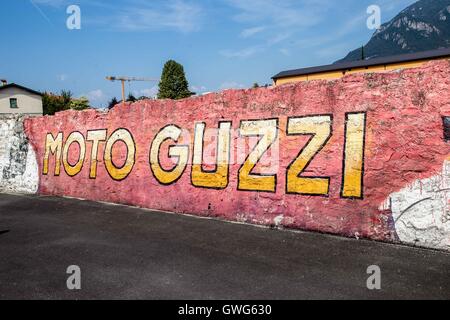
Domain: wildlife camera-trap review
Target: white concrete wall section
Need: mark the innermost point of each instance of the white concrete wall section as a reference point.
(421, 211)
(18, 165)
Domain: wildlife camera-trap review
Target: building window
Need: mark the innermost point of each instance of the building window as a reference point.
(13, 103)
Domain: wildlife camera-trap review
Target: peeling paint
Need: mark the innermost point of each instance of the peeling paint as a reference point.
(421, 211)
(18, 162)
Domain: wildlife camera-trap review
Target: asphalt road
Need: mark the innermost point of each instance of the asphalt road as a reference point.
(130, 253)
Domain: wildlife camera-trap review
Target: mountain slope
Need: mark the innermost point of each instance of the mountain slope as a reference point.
(425, 25)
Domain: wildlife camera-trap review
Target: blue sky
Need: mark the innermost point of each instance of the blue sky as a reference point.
(221, 43)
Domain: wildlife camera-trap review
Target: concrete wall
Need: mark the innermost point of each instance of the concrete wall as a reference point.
(362, 156)
(27, 102)
(18, 162)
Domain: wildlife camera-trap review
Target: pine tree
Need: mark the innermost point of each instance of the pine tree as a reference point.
(173, 84)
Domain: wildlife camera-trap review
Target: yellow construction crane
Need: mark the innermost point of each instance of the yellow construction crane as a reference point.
(128, 79)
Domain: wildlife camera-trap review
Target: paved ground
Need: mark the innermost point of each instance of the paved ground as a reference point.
(132, 253)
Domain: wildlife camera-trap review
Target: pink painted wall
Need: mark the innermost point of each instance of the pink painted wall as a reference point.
(404, 143)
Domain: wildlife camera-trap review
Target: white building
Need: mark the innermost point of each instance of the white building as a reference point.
(15, 99)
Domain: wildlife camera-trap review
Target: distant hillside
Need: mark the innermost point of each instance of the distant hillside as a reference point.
(425, 25)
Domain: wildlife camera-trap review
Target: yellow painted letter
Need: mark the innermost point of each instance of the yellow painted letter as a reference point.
(73, 170)
(120, 173)
(165, 177)
(319, 127)
(53, 146)
(217, 179)
(268, 129)
(355, 132)
(96, 136)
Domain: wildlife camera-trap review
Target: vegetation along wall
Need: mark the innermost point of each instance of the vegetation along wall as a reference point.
(363, 156)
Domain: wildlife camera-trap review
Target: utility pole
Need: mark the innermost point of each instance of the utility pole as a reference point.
(128, 79)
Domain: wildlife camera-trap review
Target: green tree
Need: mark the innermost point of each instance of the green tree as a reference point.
(53, 103)
(173, 84)
(79, 104)
(255, 85)
(112, 103)
(66, 96)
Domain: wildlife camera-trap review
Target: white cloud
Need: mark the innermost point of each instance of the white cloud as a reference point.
(198, 89)
(150, 92)
(231, 85)
(247, 33)
(96, 94)
(138, 15)
(285, 51)
(274, 21)
(178, 15)
(251, 51)
(95, 97)
(62, 77)
(242, 53)
(287, 22)
(278, 38)
(286, 13)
